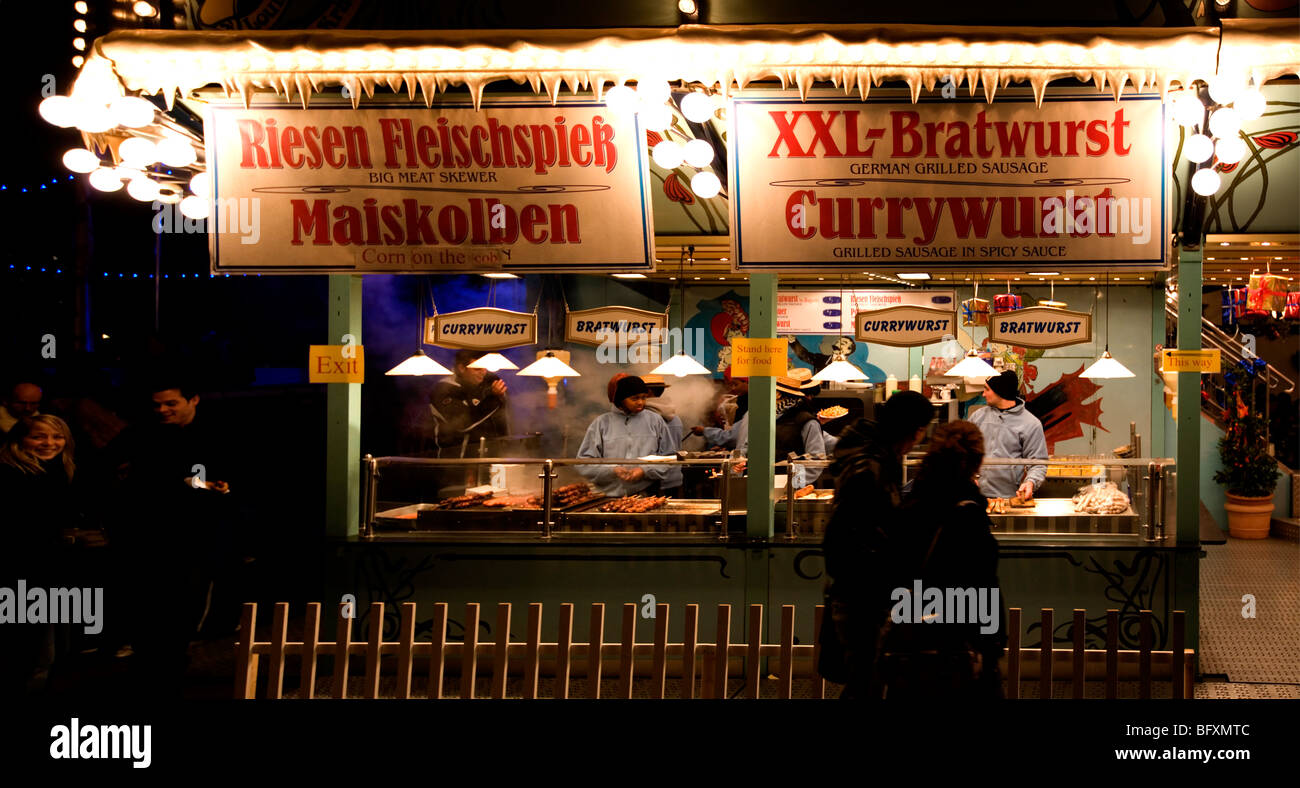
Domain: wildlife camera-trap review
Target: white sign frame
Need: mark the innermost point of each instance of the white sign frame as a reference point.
(612, 210)
(755, 181)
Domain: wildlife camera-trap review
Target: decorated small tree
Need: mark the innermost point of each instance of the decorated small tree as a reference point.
(1249, 472)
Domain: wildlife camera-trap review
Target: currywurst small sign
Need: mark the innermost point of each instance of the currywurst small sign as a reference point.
(1040, 327)
(619, 323)
(905, 326)
(486, 328)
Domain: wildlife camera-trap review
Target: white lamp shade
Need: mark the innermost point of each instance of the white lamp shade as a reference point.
(1206, 182)
(59, 110)
(201, 184)
(132, 111)
(195, 207)
(667, 154)
(143, 189)
(697, 107)
(839, 372)
(1251, 104)
(1199, 148)
(419, 364)
(1230, 150)
(176, 152)
(698, 153)
(549, 366)
(106, 179)
(1107, 367)
(621, 100)
(81, 160)
(705, 184)
(971, 367)
(679, 366)
(137, 151)
(1225, 122)
(493, 362)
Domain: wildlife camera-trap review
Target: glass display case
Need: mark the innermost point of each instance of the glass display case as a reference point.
(533, 498)
(1106, 498)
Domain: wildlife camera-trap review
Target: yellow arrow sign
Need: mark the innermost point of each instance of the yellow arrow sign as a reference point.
(1205, 362)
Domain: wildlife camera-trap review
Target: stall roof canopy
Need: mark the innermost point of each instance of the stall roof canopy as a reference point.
(296, 64)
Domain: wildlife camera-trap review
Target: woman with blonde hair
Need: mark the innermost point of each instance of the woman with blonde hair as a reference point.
(40, 505)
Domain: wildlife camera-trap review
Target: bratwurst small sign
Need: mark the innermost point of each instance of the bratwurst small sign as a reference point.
(522, 186)
(852, 184)
(1040, 327)
(486, 328)
(622, 324)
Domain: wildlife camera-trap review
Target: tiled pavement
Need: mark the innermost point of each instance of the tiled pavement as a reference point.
(1255, 657)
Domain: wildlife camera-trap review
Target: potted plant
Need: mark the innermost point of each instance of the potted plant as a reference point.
(1249, 472)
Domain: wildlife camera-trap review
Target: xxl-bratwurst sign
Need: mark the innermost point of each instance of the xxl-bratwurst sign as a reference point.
(516, 186)
(851, 184)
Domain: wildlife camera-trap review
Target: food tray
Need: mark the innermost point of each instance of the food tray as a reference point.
(812, 512)
(1057, 516)
(678, 515)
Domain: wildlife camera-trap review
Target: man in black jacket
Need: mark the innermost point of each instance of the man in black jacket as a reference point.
(469, 406)
(868, 473)
(174, 533)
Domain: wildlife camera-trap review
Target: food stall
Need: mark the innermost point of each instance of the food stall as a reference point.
(810, 202)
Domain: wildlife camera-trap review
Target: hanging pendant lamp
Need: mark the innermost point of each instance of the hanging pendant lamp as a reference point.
(418, 363)
(972, 366)
(493, 362)
(841, 370)
(681, 365)
(1107, 366)
(549, 366)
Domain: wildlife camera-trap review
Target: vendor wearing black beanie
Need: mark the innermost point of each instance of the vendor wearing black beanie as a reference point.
(1010, 432)
(628, 431)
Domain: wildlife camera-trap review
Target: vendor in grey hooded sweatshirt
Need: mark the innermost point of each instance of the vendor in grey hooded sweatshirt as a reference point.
(629, 431)
(1010, 432)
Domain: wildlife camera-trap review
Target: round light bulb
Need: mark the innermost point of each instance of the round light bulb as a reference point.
(79, 25)
(59, 110)
(1205, 182)
(138, 152)
(176, 152)
(1225, 122)
(668, 155)
(94, 118)
(698, 153)
(80, 7)
(652, 90)
(1199, 148)
(1225, 88)
(144, 9)
(77, 60)
(1250, 104)
(143, 189)
(1188, 109)
(1230, 150)
(79, 44)
(655, 118)
(201, 185)
(706, 184)
(131, 111)
(106, 179)
(621, 100)
(697, 107)
(170, 193)
(80, 160)
(195, 207)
